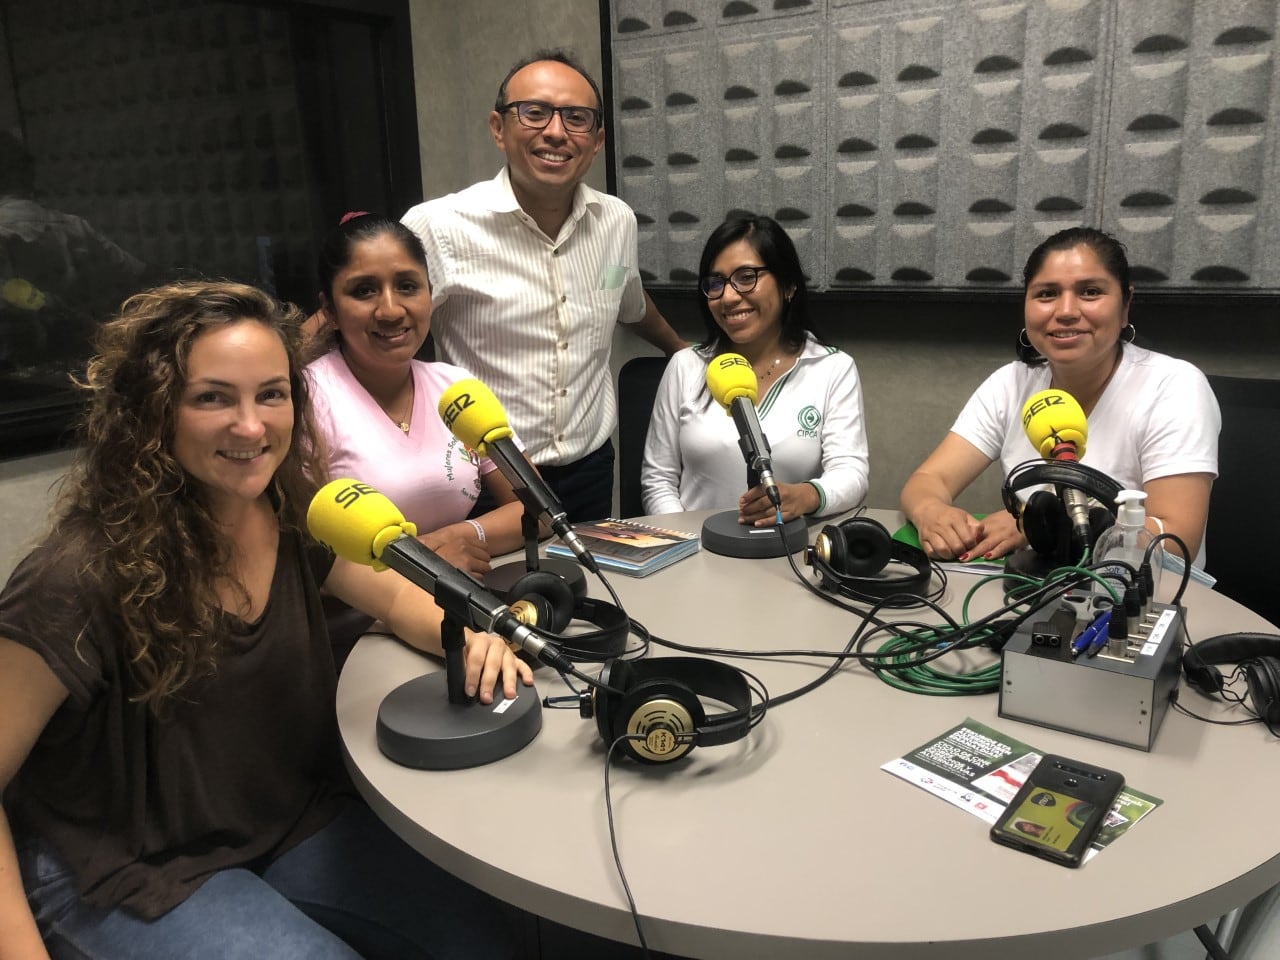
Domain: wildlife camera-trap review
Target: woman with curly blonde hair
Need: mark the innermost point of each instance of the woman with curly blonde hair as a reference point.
(168, 746)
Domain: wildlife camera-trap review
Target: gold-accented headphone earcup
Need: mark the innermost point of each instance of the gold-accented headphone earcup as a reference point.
(828, 546)
(543, 600)
(667, 714)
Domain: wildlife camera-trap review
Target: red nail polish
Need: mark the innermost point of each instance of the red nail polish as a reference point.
(963, 557)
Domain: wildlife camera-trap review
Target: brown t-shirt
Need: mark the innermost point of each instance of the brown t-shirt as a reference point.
(242, 766)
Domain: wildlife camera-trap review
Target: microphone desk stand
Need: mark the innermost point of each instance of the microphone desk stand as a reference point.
(723, 534)
(430, 723)
(502, 578)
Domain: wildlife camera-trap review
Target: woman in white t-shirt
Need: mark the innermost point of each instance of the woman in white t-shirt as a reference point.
(1153, 420)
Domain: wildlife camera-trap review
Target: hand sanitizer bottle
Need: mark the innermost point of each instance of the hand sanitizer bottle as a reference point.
(1127, 540)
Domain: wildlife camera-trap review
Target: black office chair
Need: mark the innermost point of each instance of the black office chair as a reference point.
(1244, 518)
(637, 388)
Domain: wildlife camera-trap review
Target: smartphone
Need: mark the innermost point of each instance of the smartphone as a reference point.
(1059, 810)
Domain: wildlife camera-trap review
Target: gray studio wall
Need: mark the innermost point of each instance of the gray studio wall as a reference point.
(927, 143)
(919, 360)
(461, 52)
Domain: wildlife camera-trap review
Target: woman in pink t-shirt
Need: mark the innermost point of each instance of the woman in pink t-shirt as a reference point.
(376, 405)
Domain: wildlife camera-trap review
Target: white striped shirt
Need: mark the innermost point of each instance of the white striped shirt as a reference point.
(531, 316)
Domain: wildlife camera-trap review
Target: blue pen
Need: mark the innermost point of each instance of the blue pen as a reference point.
(1103, 623)
(1085, 639)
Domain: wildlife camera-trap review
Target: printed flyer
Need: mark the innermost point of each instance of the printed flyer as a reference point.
(979, 769)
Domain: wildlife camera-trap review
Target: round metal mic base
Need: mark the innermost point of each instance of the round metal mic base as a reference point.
(501, 579)
(723, 534)
(418, 727)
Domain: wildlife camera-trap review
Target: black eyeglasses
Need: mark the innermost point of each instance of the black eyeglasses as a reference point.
(536, 114)
(743, 280)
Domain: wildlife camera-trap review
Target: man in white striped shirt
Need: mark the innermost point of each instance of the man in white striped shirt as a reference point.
(531, 270)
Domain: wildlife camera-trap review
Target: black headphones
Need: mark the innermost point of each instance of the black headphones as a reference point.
(660, 700)
(543, 600)
(850, 556)
(1257, 653)
(1043, 518)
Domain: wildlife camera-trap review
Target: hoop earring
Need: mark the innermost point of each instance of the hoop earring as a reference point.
(1127, 333)
(1026, 352)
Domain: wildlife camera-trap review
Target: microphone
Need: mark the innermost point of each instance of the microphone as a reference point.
(359, 524)
(1056, 426)
(732, 382)
(473, 414)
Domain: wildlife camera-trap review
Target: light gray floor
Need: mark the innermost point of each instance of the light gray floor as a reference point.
(1257, 937)
(1185, 946)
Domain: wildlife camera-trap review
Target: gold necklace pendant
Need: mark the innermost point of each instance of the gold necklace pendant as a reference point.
(403, 423)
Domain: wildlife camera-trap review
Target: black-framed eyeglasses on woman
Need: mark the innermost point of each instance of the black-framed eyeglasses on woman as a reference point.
(743, 280)
(537, 114)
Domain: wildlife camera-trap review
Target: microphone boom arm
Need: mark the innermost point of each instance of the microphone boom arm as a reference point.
(465, 600)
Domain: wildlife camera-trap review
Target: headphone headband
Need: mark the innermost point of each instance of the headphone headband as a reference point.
(607, 640)
(1201, 658)
(713, 680)
(850, 557)
(1257, 654)
(660, 700)
(552, 606)
(1060, 473)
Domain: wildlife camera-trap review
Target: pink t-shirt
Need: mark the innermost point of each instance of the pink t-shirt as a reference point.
(427, 472)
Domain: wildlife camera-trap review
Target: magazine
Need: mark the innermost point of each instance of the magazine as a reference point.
(979, 769)
(636, 549)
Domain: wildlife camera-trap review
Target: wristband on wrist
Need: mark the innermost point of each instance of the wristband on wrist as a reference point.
(478, 529)
(822, 498)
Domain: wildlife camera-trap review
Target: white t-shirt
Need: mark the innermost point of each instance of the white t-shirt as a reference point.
(1158, 417)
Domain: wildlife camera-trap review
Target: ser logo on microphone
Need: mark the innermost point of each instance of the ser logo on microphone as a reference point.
(731, 360)
(352, 492)
(1044, 403)
(459, 403)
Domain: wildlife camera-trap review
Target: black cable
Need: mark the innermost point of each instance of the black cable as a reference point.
(897, 601)
(613, 838)
(1186, 562)
(974, 634)
(565, 642)
(756, 685)
(1177, 705)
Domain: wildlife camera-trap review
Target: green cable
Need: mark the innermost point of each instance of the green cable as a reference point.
(901, 670)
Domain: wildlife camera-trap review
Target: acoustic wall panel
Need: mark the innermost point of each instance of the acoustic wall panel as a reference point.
(103, 89)
(923, 143)
(1191, 185)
